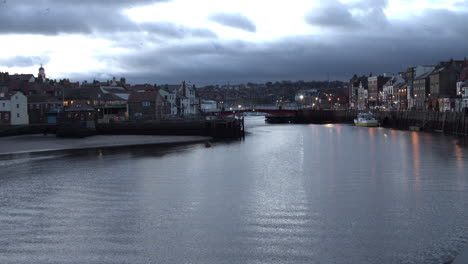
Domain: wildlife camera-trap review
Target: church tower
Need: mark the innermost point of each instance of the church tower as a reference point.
(41, 75)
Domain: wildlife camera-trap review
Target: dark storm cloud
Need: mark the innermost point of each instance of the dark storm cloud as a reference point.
(361, 43)
(23, 61)
(234, 20)
(51, 17)
(434, 36)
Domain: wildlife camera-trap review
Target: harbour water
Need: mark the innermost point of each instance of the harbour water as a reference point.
(285, 194)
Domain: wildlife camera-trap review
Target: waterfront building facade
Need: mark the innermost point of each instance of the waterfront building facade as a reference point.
(422, 90)
(363, 94)
(147, 105)
(13, 108)
(389, 91)
(39, 105)
(375, 87)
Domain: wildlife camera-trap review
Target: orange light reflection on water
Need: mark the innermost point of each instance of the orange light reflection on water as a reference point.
(416, 158)
(459, 156)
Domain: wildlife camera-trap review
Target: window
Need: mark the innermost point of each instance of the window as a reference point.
(17, 105)
(18, 115)
(3, 104)
(146, 103)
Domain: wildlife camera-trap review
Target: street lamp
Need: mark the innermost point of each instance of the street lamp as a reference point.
(301, 97)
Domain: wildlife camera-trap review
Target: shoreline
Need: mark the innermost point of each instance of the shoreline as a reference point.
(38, 143)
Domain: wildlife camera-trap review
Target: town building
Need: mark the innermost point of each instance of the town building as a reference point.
(443, 87)
(13, 108)
(76, 120)
(110, 102)
(363, 94)
(171, 99)
(410, 76)
(23, 78)
(354, 91)
(183, 99)
(389, 91)
(375, 87)
(190, 102)
(462, 90)
(39, 107)
(147, 105)
(422, 91)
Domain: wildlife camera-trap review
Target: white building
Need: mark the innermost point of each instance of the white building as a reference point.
(462, 90)
(14, 109)
(170, 97)
(191, 103)
(390, 89)
(363, 95)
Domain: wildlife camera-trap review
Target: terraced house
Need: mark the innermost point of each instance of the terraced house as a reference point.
(13, 108)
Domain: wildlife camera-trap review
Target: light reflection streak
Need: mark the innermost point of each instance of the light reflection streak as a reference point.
(416, 159)
(459, 156)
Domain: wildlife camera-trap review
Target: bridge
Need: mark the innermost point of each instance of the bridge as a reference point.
(265, 109)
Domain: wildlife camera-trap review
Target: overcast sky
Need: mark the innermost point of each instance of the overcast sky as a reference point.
(221, 41)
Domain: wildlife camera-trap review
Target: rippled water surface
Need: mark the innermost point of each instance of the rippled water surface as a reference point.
(287, 194)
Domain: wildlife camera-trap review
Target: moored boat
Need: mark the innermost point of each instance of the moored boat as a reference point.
(366, 120)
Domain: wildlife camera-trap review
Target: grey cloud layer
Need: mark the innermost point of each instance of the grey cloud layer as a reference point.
(51, 17)
(23, 61)
(335, 14)
(332, 14)
(368, 43)
(234, 20)
(431, 37)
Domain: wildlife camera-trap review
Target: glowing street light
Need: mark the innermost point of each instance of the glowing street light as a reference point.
(240, 106)
(301, 97)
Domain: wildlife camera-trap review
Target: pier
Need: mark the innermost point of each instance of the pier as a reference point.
(218, 128)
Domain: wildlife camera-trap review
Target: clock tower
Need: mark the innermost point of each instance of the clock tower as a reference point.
(41, 75)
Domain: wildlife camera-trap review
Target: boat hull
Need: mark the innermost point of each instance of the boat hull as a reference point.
(366, 124)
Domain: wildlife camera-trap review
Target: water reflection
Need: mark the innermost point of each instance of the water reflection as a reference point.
(416, 159)
(287, 194)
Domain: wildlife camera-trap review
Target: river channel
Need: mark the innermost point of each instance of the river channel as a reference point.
(285, 194)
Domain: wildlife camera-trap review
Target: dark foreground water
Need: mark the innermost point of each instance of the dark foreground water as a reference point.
(287, 194)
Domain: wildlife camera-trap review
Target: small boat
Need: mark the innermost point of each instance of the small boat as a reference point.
(366, 120)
